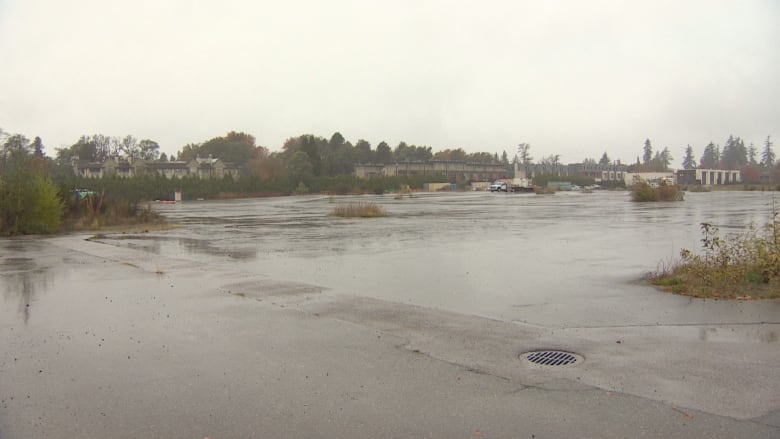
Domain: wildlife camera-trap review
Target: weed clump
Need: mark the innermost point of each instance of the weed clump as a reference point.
(404, 189)
(643, 192)
(96, 211)
(359, 210)
(743, 266)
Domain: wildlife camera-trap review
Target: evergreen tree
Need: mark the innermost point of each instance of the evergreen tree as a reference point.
(604, 159)
(37, 147)
(768, 156)
(711, 157)
(752, 153)
(647, 152)
(734, 154)
(664, 160)
(688, 161)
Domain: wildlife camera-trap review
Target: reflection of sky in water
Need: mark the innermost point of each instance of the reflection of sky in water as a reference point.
(22, 278)
(570, 257)
(302, 224)
(154, 244)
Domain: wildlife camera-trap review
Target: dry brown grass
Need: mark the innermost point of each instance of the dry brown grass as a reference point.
(359, 210)
(745, 266)
(539, 190)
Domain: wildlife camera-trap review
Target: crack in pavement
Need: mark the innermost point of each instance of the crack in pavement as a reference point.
(649, 325)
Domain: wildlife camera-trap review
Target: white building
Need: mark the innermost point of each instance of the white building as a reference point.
(709, 177)
(651, 178)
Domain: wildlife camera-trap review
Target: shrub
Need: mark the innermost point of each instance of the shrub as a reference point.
(360, 210)
(539, 190)
(742, 265)
(97, 210)
(643, 192)
(29, 204)
(404, 189)
(301, 189)
(45, 212)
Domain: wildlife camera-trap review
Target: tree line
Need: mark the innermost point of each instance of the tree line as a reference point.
(303, 155)
(733, 155)
(35, 190)
(755, 166)
(315, 156)
(38, 192)
(99, 147)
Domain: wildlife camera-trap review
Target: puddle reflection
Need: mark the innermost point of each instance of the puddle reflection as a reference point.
(23, 279)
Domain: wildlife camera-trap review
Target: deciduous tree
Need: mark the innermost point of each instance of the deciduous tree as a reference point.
(129, 146)
(29, 202)
(148, 149)
(299, 166)
(552, 159)
(458, 155)
(523, 153)
(384, 154)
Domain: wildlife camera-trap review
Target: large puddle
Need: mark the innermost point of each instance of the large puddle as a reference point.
(569, 259)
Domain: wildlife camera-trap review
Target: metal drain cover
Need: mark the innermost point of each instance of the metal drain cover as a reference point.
(552, 358)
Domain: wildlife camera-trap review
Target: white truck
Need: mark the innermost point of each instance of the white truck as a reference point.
(514, 185)
(499, 186)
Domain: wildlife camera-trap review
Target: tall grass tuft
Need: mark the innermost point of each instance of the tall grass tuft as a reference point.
(404, 189)
(359, 210)
(746, 265)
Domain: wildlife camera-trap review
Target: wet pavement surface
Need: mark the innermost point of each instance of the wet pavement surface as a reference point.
(258, 318)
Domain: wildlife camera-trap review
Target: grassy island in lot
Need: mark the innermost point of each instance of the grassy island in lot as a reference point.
(741, 267)
(643, 192)
(359, 210)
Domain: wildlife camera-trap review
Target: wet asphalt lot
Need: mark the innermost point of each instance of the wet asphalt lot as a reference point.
(269, 318)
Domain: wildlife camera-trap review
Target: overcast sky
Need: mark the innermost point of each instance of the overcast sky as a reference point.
(570, 77)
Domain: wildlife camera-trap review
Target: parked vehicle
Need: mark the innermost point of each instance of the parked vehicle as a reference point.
(521, 186)
(498, 186)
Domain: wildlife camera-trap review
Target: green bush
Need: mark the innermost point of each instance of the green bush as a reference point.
(738, 266)
(643, 192)
(29, 204)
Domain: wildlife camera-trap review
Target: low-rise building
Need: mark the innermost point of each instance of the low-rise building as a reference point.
(709, 177)
(651, 178)
(453, 170)
(198, 167)
(599, 173)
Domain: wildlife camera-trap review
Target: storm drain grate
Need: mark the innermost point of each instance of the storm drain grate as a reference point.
(551, 358)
